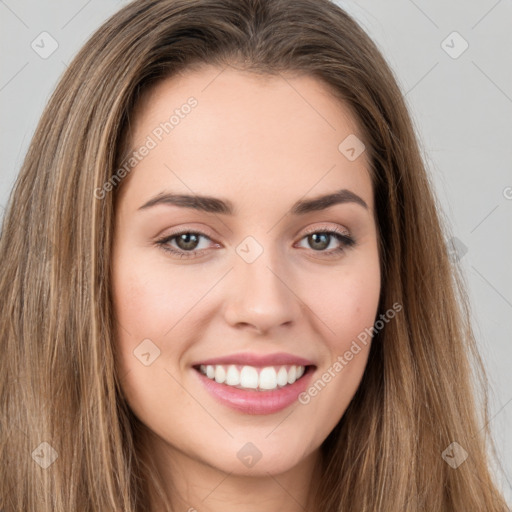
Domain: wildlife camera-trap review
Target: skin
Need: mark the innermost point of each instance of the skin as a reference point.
(262, 143)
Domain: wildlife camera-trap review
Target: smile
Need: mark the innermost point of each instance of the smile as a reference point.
(251, 377)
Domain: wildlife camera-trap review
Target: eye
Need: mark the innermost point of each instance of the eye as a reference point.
(186, 241)
(185, 244)
(321, 239)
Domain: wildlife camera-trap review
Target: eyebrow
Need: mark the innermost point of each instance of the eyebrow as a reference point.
(211, 204)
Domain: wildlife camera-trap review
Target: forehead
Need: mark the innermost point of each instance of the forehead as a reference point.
(273, 136)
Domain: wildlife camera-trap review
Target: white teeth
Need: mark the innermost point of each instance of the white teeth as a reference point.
(233, 376)
(292, 375)
(268, 378)
(249, 377)
(220, 374)
(282, 377)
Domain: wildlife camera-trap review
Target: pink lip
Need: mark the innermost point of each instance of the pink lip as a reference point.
(249, 359)
(253, 401)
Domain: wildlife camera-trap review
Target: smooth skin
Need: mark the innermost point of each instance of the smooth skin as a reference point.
(262, 143)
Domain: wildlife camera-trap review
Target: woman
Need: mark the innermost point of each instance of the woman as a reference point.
(225, 279)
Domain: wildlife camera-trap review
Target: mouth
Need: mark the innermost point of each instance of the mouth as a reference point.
(254, 378)
(252, 383)
(258, 390)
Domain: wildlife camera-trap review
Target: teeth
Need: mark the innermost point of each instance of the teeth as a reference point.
(210, 372)
(268, 378)
(282, 377)
(233, 376)
(220, 374)
(249, 377)
(292, 375)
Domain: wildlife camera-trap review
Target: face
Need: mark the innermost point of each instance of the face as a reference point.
(262, 286)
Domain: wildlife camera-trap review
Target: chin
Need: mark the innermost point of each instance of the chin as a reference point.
(259, 459)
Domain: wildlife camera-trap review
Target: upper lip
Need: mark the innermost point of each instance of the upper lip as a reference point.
(280, 358)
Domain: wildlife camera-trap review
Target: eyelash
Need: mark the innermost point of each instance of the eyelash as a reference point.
(346, 242)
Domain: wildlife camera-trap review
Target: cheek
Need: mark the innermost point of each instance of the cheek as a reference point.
(151, 305)
(144, 309)
(347, 306)
(346, 303)
(151, 299)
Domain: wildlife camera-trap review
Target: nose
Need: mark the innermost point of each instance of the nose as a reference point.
(261, 295)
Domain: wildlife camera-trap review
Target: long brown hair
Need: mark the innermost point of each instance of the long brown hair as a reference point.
(424, 385)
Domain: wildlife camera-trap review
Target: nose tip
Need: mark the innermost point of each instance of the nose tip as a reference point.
(261, 296)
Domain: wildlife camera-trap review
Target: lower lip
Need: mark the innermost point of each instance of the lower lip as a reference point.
(254, 401)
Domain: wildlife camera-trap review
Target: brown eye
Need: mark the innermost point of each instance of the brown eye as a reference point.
(187, 241)
(320, 240)
(184, 244)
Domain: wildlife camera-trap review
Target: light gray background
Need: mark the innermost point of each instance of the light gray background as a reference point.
(462, 108)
